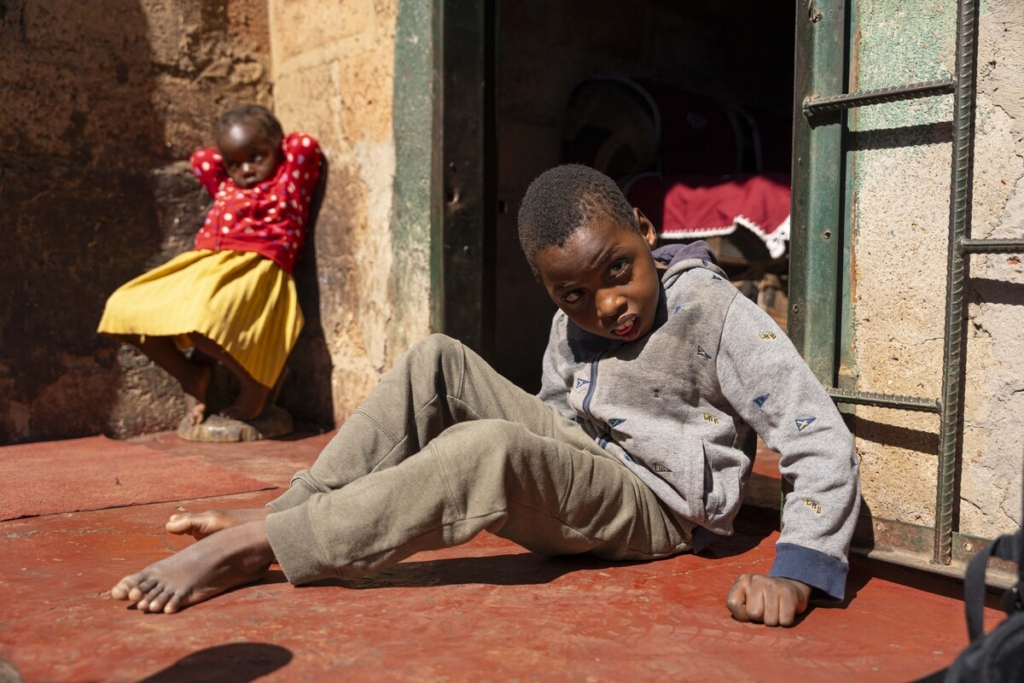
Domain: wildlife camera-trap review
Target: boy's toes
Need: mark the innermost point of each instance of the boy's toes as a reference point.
(120, 591)
(174, 603)
(140, 589)
(180, 523)
(148, 603)
(131, 588)
(199, 525)
(158, 602)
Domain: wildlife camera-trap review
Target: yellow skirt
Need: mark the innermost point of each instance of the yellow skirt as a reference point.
(244, 302)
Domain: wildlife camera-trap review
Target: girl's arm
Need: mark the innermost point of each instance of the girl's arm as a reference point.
(302, 161)
(208, 165)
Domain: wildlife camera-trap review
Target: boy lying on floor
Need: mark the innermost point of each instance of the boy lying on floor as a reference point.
(657, 374)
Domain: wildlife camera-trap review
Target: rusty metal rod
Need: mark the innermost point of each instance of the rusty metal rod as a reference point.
(821, 105)
(992, 246)
(959, 219)
(866, 398)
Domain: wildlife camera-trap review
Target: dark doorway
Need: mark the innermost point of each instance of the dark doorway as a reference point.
(566, 69)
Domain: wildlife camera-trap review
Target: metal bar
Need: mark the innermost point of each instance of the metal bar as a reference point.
(865, 398)
(467, 154)
(846, 358)
(813, 106)
(992, 246)
(910, 545)
(416, 217)
(959, 219)
(817, 187)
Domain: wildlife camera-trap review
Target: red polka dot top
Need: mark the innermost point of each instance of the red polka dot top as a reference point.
(269, 218)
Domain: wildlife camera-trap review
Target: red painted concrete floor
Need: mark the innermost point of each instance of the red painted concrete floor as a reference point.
(486, 611)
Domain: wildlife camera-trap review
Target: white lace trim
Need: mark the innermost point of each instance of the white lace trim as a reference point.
(775, 241)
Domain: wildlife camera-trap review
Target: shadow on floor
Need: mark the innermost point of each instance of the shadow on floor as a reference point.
(518, 569)
(531, 569)
(233, 663)
(752, 525)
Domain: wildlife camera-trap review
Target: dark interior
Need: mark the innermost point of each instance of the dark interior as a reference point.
(639, 89)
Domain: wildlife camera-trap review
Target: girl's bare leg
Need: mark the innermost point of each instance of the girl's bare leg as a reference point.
(249, 403)
(194, 376)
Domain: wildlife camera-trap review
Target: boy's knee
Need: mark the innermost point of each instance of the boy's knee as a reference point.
(480, 434)
(437, 347)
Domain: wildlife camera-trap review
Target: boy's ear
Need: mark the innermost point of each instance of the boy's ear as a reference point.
(647, 230)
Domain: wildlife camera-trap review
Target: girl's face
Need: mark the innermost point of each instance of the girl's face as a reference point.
(250, 155)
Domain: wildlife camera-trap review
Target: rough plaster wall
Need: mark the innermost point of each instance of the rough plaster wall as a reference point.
(901, 181)
(994, 419)
(334, 75)
(101, 102)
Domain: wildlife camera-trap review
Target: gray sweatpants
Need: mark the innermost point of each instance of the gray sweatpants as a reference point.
(445, 447)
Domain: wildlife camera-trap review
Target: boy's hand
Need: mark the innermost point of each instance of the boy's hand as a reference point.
(772, 600)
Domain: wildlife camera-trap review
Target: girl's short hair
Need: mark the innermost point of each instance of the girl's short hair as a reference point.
(250, 112)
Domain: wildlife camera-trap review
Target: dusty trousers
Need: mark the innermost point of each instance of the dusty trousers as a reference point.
(444, 448)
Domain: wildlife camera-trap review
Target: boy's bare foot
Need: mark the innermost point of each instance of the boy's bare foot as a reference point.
(199, 525)
(195, 394)
(249, 403)
(236, 556)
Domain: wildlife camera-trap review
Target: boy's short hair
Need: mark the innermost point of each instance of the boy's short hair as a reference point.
(250, 112)
(563, 199)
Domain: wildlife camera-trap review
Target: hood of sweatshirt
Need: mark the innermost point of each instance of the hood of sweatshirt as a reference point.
(679, 258)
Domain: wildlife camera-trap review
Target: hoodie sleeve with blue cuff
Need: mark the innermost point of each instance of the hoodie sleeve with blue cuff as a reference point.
(772, 389)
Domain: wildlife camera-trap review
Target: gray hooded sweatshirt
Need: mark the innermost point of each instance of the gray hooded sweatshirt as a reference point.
(677, 407)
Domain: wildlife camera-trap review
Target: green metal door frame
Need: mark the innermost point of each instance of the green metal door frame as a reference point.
(464, 282)
(416, 203)
(445, 159)
(817, 211)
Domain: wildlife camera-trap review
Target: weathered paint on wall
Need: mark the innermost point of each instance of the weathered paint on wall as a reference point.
(334, 77)
(901, 178)
(416, 205)
(101, 103)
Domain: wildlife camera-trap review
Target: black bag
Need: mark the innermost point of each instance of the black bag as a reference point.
(996, 657)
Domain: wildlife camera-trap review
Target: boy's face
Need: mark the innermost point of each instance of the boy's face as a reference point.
(250, 155)
(605, 278)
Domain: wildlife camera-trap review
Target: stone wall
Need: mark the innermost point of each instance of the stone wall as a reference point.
(366, 297)
(101, 104)
(901, 179)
